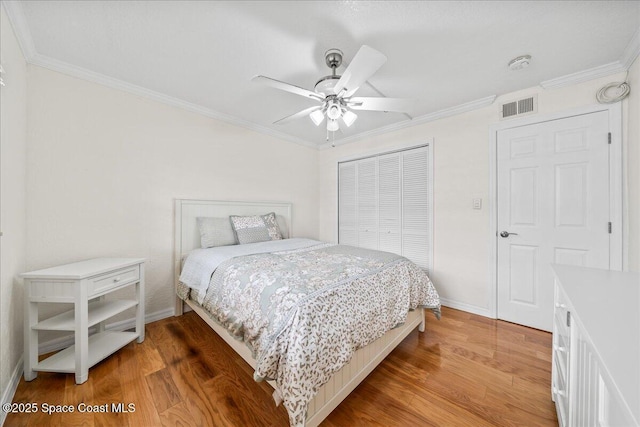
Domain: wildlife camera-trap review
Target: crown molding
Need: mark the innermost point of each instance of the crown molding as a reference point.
(92, 76)
(19, 24)
(629, 55)
(583, 76)
(632, 51)
(20, 27)
(18, 20)
(440, 114)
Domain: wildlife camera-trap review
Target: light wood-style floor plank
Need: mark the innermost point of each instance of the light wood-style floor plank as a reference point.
(465, 370)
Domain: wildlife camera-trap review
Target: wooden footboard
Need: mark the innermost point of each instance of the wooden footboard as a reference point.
(363, 362)
(346, 379)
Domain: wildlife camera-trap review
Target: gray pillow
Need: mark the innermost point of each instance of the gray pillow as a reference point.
(215, 232)
(256, 228)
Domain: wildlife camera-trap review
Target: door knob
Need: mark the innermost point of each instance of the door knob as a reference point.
(506, 234)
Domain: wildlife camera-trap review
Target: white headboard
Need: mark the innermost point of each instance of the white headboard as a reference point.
(187, 236)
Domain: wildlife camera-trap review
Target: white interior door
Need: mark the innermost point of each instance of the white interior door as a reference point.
(553, 207)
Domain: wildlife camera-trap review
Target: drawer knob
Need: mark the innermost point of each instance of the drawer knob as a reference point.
(116, 280)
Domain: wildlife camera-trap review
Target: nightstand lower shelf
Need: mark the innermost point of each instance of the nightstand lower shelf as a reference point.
(101, 345)
(98, 312)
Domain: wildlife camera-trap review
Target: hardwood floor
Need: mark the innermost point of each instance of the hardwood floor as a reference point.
(465, 370)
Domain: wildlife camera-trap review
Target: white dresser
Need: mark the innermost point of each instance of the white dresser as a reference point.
(596, 347)
(80, 283)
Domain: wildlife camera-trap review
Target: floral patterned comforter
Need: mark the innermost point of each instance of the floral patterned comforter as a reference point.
(304, 312)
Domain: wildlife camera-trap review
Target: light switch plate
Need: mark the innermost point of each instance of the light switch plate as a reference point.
(477, 203)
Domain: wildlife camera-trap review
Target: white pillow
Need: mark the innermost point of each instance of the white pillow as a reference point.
(215, 232)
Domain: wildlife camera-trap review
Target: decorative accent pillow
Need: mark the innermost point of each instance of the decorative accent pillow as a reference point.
(256, 228)
(215, 232)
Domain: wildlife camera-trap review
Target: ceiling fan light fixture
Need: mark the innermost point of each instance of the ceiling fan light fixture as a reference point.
(332, 125)
(349, 117)
(333, 110)
(317, 117)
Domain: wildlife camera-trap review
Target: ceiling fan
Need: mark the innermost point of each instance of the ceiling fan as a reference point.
(335, 92)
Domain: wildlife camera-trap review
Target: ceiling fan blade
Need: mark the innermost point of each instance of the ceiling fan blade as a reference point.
(366, 62)
(297, 115)
(287, 87)
(400, 105)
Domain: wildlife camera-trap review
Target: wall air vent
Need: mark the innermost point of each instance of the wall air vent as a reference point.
(519, 107)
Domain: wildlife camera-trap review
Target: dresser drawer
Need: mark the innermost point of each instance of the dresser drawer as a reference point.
(114, 279)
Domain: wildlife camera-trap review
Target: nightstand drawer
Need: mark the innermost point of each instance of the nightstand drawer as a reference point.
(114, 279)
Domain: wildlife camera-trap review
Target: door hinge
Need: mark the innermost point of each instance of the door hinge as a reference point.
(568, 319)
(609, 137)
(609, 228)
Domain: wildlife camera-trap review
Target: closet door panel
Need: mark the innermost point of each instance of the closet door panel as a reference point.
(367, 178)
(347, 205)
(389, 208)
(415, 206)
(390, 241)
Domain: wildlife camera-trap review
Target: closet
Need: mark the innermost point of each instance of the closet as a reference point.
(385, 203)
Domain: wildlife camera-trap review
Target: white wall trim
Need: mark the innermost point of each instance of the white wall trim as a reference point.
(122, 325)
(632, 51)
(469, 308)
(618, 255)
(16, 16)
(583, 76)
(20, 28)
(629, 55)
(10, 391)
(440, 114)
(92, 76)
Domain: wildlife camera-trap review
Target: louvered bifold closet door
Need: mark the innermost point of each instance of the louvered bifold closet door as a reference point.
(367, 217)
(347, 204)
(415, 206)
(385, 203)
(389, 203)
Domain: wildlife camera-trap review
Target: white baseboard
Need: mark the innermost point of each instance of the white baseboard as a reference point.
(10, 391)
(469, 308)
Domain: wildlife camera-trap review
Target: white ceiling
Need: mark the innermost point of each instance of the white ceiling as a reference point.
(202, 55)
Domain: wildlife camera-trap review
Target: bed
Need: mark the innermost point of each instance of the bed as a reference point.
(296, 285)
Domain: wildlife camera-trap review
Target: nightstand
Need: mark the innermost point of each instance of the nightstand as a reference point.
(84, 284)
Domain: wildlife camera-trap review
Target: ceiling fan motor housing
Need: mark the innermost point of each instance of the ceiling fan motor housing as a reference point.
(333, 58)
(326, 84)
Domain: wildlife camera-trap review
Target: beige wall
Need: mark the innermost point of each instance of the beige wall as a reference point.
(13, 149)
(461, 173)
(105, 167)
